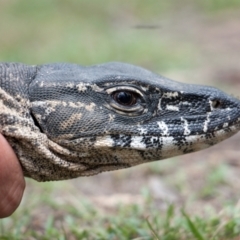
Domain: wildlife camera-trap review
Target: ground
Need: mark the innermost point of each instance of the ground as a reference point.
(195, 43)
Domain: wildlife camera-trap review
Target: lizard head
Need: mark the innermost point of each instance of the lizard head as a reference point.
(116, 115)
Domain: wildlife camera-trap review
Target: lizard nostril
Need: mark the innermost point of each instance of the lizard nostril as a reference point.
(216, 103)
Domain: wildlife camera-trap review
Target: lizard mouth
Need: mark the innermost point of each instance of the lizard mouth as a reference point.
(149, 142)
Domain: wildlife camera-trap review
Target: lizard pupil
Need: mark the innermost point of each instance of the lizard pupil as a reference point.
(124, 98)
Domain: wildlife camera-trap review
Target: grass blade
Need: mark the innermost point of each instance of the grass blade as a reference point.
(192, 227)
(153, 231)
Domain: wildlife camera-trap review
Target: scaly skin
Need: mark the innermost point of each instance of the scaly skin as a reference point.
(66, 120)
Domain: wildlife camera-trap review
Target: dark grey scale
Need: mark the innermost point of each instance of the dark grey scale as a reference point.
(19, 76)
(175, 126)
(150, 153)
(76, 144)
(209, 135)
(121, 140)
(12, 129)
(152, 142)
(180, 141)
(227, 130)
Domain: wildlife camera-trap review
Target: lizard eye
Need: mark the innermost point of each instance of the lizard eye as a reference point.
(125, 98)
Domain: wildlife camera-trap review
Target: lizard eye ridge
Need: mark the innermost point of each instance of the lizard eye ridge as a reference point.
(125, 98)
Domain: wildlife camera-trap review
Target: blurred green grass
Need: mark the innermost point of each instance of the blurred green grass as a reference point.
(87, 32)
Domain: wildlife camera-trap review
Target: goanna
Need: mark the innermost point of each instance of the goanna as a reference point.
(66, 120)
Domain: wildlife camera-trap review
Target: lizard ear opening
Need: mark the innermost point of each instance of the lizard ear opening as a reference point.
(36, 123)
(39, 112)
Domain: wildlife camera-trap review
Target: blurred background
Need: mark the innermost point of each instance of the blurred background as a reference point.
(189, 41)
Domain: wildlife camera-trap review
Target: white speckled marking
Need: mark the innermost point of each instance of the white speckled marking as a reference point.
(103, 142)
(82, 87)
(211, 104)
(170, 94)
(96, 88)
(111, 117)
(137, 143)
(172, 108)
(185, 103)
(142, 130)
(225, 125)
(159, 107)
(90, 107)
(185, 126)
(205, 124)
(70, 85)
(163, 126)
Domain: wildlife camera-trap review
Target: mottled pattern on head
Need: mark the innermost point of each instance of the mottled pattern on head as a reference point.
(65, 120)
